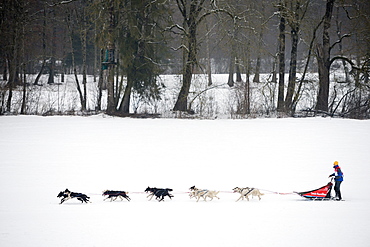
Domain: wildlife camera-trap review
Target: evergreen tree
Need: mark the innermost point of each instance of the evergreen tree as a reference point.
(134, 32)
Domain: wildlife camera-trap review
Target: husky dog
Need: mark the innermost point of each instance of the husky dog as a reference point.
(198, 193)
(158, 193)
(245, 192)
(113, 195)
(69, 195)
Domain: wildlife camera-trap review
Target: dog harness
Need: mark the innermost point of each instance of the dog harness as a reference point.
(249, 191)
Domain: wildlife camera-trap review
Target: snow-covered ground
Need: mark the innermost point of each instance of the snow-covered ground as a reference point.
(41, 156)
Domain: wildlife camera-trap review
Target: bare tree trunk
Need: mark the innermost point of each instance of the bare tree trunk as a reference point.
(125, 103)
(323, 60)
(323, 70)
(339, 31)
(95, 54)
(84, 72)
(23, 67)
(40, 73)
(111, 106)
(43, 50)
(247, 93)
(100, 82)
(209, 66)
(281, 55)
(256, 77)
(83, 32)
(274, 65)
(82, 99)
(233, 56)
(310, 50)
(53, 51)
(230, 80)
(13, 69)
(51, 70)
(5, 70)
(182, 100)
(292, 68)
(12, 78)
(238, 73)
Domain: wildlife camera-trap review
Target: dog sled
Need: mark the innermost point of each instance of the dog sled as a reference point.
(320, 194)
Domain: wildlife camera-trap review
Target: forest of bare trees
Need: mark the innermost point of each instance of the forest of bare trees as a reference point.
(125, 45)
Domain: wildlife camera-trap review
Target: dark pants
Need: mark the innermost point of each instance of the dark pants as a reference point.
(337, 189)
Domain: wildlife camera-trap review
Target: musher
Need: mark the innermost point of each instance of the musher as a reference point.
(338, 177)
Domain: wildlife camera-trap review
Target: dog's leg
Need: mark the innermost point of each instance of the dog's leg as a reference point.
(65, 199)
(193, 194)
(158, 196)
(198, 197)
(151, 196)
(210, 195)
(217, 194)
(204, 195)
(242, 196)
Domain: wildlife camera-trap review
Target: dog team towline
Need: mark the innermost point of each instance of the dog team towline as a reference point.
(322, 193)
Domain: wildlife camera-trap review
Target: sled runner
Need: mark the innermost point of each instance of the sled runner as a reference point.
(322, 193)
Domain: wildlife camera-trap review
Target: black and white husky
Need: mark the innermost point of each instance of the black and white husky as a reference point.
(114, 194)
(66, 195)
(158, 193)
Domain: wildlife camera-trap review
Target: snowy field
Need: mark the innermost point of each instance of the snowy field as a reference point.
(41, 156)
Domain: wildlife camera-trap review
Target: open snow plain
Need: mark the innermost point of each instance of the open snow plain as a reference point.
(41, 156)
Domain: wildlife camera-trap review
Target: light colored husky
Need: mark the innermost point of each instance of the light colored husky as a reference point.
(198, 193)
(245, 192)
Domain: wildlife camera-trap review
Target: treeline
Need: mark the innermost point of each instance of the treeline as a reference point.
(127, 44)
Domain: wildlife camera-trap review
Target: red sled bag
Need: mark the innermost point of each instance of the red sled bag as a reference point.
(322, 193)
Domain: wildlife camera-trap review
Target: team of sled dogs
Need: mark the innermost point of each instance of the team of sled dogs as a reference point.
(160, 194)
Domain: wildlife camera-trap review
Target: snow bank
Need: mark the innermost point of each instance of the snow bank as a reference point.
(42, 156)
